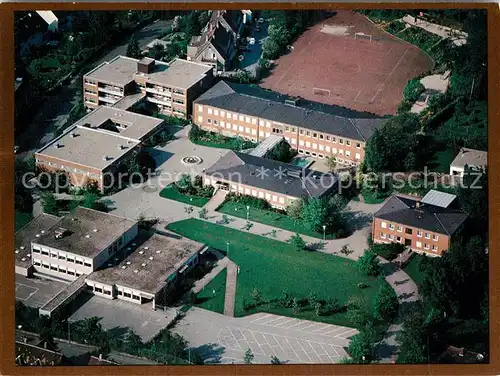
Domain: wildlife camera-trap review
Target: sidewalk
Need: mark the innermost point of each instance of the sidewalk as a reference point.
(201, 283)
(232, 275)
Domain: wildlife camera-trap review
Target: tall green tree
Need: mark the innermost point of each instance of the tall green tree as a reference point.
(315, 214)
(386, 303)
(413, 338)
(133, 49)
(297, 242)
(369, 264)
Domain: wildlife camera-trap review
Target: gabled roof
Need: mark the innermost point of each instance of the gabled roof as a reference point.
(471, 158)
(414, 213)
(255, 101)
(270, 175)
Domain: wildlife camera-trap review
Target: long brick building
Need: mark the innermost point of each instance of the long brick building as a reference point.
(312, 129)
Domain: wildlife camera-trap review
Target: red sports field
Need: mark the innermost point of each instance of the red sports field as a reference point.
(329, 64)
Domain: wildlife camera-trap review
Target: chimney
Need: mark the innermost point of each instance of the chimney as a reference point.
(417, 204)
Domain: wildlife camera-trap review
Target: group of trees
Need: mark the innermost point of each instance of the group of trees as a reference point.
(282, 152)
(200, 136)
(194, 187)
(314, 213)
(166, 347)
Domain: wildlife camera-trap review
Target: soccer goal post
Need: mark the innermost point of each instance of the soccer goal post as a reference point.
(321, 91)
(363, 36)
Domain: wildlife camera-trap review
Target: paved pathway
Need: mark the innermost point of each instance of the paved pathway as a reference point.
(216, 200)
(407, 293)
(222, 339)
(232, 275)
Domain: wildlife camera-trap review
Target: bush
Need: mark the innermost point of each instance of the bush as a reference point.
(369, 264)
(386, 303)
(253, 202)
(413, 90)
(388, 251)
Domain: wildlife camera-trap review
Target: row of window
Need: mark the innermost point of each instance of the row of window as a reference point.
(322, 156)
(128, 295)
(253, 192)
(254, 121)
(102, 291)
(399, 240)
(60, 256)
(66, 168)
(57, 268)
(399, 228)
(178, 101)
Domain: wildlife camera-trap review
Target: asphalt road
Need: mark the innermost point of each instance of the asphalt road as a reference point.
(57, 107)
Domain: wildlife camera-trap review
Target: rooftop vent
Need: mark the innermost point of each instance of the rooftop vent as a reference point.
(128, 248)
(158, 251)
(59, 233)
(42, 232)
(105, 158)
(128, 263)
(292, 102)
(110, 264)
(38, 235)
(121, 147)
(95, 230)
(17, 251)
(57, 145)
(134, 244)
(22, 247)
(23, 259)
(136, 271)
(141, 252)
(124, 267)
(146, 248)
(73, 135)
(143, 264)
(87, 236)
(151, 257)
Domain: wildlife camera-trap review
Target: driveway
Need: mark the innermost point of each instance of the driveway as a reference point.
(221, 339)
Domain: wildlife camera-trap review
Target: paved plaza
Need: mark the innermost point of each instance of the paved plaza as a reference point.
(291, 340)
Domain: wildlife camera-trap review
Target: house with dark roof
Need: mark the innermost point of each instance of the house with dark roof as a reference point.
(421, 226)
(277, 182)
(217, 45)
(310, 128)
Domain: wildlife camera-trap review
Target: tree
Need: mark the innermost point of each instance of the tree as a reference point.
(184, 183)
(294, 210)
(386, 303)
(315, 214)
(248, 357)
(242, 76)
(297, 242)
(157, 52)
(361, 345)
(369, 264)
(412, 338)
(49, 203)
(203, 213)
(133, 49)
(356, 311)
(330, 162)
(345, 250)
(275, 360)
(413, 90)
(133, 342)
(282, 152)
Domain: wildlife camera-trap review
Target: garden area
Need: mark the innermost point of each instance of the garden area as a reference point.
(412, 268)
(207, 299)
(172, 192)
(189, 191)
(217, 140)
(269, 217)
(277, 278)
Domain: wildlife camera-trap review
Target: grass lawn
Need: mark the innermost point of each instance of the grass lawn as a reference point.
(206, 299)
(272, 266)
(173, 193)
(412, 269)
(268, 217)
(21, 219)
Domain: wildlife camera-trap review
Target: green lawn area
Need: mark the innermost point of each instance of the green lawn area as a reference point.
(412, 269)
(268, 217)
(206, 299)
(272, 266)
(173, 193)
(21, 219)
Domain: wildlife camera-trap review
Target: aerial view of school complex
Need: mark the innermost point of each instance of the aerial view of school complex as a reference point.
(251, 187)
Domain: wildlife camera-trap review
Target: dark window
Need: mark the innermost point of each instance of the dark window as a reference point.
(127, 295)
(98, 289)
(135, 297)
(88, 265)
(107, 292)
(71, 273)
(408, 231)
(45, 253)
(120, 292)
(61, 257)
(36, 250)
(53, 267)
(79, 262)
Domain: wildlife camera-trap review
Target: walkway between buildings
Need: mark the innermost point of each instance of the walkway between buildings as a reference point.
(201, 283)
(232, 275)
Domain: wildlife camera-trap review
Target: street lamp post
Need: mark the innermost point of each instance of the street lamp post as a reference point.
(324, 232)
(248, 211)
(227, 249)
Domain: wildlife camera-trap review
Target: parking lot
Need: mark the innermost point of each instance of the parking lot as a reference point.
(291, 340)
(35, 292)
(119, 315)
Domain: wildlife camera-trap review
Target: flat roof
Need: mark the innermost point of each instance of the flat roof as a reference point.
(178, 73)
(149, 265)
(130, 124)
(27, 234)
(90, 148)
(128, 101)
(118, 71)
(470, 157)
(81, 239)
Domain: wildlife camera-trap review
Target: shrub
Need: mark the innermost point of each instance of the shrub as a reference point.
(297, 242)
(413, 90)
(254, 202)
(369, 264)
(387, 251)
(386, 303)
